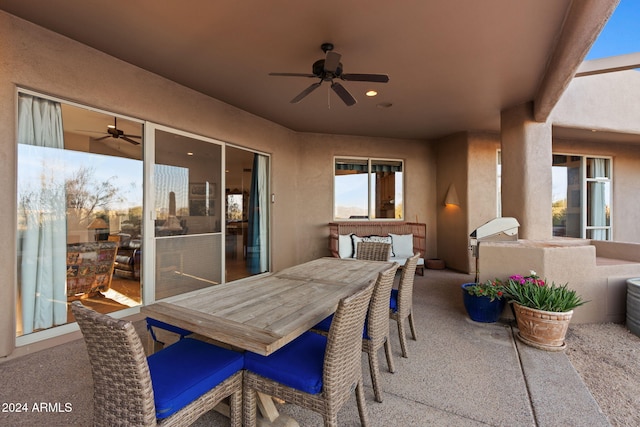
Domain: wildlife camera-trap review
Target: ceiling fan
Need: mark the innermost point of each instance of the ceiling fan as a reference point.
(114, 132)
(328, 69)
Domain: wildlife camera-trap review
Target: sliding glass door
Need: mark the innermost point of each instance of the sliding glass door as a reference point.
(85, 233)
(187, 212)
(79, 212)
(246, 213)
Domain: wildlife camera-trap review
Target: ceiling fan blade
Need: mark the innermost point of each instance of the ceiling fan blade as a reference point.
(375, 78)
(343, 94)
(292, 75)
(104, 137)
(130, 140)
(305, 92)
(332, 61)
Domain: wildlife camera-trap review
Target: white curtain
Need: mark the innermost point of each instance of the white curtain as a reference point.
(598, 202)
(43, 235)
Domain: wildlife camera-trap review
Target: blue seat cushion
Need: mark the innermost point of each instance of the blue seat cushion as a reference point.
(184, 371)
(297, 365)
(393, 302)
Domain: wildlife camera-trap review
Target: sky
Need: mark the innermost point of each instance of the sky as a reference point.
(621, 34)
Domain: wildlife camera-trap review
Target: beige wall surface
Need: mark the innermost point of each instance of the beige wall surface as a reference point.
(582, 265)
(606, 102)
(468, 160)
(453, 169)
(301, 164)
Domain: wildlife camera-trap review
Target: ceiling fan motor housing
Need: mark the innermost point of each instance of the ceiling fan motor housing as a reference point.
(318, 70)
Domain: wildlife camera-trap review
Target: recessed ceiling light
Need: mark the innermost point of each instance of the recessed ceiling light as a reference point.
(189, 153)
(371, 93)
(384, 105)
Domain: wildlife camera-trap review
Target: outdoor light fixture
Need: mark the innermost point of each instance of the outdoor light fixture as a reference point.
(452, 197)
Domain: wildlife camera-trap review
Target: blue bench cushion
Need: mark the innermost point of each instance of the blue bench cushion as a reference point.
(297, 365)
(393, 302)
(186, 370)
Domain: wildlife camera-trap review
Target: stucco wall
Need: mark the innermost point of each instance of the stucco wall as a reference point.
(584, 266)
(301, 165)
(453, 165)
(603, 102)
(467, 160)
(315, 189)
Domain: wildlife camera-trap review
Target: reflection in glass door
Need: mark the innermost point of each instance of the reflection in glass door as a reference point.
(79, 212)
(247, 213)
(187, 213)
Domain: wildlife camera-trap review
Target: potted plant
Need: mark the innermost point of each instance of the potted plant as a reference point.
(543, 311)
(484, 302)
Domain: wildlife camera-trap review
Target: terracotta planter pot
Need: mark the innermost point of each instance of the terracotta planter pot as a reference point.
(542, 329)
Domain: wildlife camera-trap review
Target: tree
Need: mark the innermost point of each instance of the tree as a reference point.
(85, 195)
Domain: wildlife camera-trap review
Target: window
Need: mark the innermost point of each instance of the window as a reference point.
(581, 203)
(79, 205)
(368, 189)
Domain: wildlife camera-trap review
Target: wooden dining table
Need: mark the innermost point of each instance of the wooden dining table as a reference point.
(263, 313)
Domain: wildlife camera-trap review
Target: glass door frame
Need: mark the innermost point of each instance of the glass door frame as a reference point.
(149, 254)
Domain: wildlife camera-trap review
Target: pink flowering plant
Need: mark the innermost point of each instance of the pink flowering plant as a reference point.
(533, 292)
(494, 289)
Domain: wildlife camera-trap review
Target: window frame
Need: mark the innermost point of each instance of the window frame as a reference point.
(370, 195)
(584, 181)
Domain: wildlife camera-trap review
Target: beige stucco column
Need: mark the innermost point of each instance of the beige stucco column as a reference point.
(526, 172)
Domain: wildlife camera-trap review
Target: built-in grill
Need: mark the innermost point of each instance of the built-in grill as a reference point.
(496, 230)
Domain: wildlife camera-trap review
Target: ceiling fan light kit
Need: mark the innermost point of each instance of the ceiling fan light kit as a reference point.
(328, 69)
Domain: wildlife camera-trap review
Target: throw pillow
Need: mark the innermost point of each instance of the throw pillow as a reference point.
(402, 245)
(345, 246)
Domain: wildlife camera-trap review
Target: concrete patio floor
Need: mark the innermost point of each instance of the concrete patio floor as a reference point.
(459, 373)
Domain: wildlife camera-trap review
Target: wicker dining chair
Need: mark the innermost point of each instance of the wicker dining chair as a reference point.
(314, 371)
(401, 303)
(373, 251)
(172, 387)
(376, 327)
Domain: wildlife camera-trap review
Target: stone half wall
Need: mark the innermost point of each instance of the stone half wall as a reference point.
(598, 271)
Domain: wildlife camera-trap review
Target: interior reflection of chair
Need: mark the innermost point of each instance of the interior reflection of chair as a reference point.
(401, 303)
(174, 386)
(373, 251)
(314, 371)
(376, 328)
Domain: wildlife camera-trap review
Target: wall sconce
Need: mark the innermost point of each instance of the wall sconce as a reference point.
(452, 197)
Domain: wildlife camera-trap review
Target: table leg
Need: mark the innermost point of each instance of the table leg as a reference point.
(270, 415)
(267, 407)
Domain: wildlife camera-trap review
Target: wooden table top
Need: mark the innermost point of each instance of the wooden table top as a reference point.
(262, 314)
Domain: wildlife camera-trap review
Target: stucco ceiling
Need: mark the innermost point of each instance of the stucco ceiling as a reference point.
(453, 64)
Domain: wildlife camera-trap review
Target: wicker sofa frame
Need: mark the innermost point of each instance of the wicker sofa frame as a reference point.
(380, 228)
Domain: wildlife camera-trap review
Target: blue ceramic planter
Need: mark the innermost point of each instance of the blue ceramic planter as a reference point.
(482, 309)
